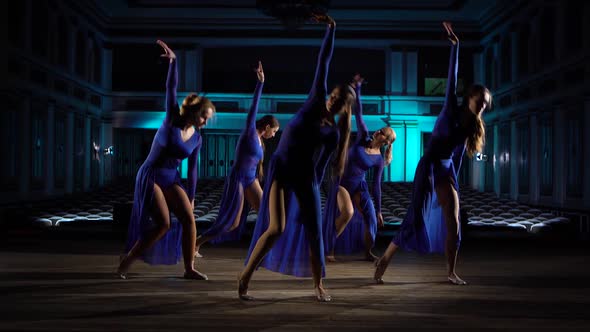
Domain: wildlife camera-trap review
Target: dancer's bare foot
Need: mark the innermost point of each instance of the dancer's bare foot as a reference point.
(121, 274)
(243, 290)
(331, 259)
(122, 269)
(455, 280)
(380, 266)
(195, 275)
(198, 254)
(321, 295)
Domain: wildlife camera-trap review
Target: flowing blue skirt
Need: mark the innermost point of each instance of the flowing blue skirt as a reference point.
(424, 229)
(291, 252)
(352, 239)
(168, 250)
(232, 200)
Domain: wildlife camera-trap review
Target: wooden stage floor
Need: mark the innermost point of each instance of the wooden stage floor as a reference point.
(66, 283)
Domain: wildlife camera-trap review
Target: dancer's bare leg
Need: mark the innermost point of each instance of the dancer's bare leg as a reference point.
(236, 222)
(316, 270)
(449, 201)
(310, 209)
(369, 243)
(275, 228)
(181, 207)
(206, 238)
(367, 234)
(346, 210)
(346, 213)
(254, 195)
(161, 218)
(382, 263)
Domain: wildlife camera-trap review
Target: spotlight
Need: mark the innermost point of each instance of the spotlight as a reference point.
(481, 157)
(109, 151)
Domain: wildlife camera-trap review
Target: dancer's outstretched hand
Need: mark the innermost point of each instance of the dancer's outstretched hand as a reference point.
(380, 222)
(357, 80)
(450, 34)
(168, 53)
(323, 18)
(260, 72)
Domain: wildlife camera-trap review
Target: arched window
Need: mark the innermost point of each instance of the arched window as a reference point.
(94, 61)
(91, 61)
(97, 63)
(523, 50)
(490, 70)
(81, 54)
(505, 60)
(546, 45)
(62, 42)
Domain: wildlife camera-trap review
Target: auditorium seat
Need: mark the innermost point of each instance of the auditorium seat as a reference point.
(483, 210)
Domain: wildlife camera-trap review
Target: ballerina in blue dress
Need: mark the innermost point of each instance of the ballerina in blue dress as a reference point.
(158, 189)
(242, 187)
(350, 217)
(291, 198)
(432, 223)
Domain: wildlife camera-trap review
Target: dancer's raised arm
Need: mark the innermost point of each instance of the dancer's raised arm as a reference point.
(171, 81)
(362, 130)
(451, 91)
(319, 86)
(251, 119)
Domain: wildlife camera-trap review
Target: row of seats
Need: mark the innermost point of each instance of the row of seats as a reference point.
(482, 210)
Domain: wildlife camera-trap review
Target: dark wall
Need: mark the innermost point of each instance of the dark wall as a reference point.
(139, 67)
(288, 69)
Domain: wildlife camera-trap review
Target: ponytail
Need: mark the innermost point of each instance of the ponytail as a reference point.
(387, 156)
(267, 120)
(473, 123)
(477, 136)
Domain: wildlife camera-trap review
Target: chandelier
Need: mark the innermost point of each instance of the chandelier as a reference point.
(292, 13)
